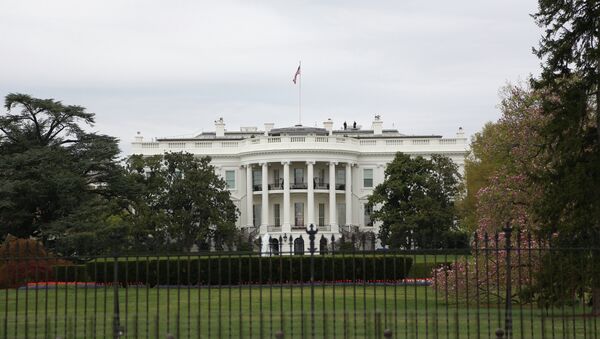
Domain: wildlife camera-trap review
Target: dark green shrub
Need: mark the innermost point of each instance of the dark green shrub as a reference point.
(234, 270)
(65, 273)
(424, 270)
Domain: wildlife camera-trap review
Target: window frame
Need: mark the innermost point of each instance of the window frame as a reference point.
(365, 178)
(231, 187)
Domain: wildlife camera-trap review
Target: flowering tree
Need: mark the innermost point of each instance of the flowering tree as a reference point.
(509, 151)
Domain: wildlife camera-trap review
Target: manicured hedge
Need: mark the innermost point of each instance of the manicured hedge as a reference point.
(424, 270)
(65, 273)
(233, 270)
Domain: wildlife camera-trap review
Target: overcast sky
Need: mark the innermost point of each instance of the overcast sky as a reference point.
(170, 68)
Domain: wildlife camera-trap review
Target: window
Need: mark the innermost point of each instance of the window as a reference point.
(256, 215)
(230, 179)
(340, 179)
(299, 214)
(257, 180)
(368, 177)
(298, 175)
(321, 214)
(341, 214)
(276, 179)
(368, 211)
(298, 246)
(277, 214)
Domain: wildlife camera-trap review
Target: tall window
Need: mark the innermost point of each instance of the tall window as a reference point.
(256, 215)
(368, 213)
(230, 179)
(276, 179)
(277, 214)
(368, 177)
(321, 214)
(340, 178)
(299, 214)
(341, 214)
(257, 179)
(298, 175)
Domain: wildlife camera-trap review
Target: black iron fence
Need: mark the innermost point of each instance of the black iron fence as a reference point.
(509, 285)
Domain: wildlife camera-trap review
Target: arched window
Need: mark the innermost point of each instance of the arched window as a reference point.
(323, 245)
(274, 246)
(299, 246)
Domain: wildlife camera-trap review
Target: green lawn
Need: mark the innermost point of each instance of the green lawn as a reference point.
(361, 312)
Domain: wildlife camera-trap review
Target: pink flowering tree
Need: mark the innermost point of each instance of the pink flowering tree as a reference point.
(508, 151)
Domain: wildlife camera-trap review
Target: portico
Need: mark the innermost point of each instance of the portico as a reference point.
(291, 196)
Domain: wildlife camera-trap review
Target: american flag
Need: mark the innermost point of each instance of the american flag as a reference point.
(296, 75)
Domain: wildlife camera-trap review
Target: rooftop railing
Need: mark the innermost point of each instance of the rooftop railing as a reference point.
(334, 142)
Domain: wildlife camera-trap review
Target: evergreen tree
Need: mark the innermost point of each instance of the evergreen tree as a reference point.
(54, 173)
(570, 205)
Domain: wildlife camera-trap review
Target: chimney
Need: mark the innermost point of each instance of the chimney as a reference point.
(138, 137)
(460, 134)
(220, 128)
(377, 125)
(268, 127)
(328, 125)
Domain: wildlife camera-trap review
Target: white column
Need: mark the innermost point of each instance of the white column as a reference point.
(264, 218)
(310, 201)
(348, 193)
(332, 207)
(249, 196)
(286, 198)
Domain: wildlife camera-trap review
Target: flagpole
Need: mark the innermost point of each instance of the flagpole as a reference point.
(300, 93)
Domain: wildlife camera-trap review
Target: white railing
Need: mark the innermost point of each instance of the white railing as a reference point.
(229, 143)
(150, 145)
(331, 141)
(203, 144)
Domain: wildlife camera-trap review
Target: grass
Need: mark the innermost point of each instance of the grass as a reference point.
(243, 311)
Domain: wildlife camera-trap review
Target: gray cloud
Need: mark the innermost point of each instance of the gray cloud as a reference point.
(171, 68)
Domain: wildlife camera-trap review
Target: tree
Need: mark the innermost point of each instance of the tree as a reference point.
(503, 155)
(52, 171)
(415, 202)
(484, 159)
(183, 202)
(570, 203)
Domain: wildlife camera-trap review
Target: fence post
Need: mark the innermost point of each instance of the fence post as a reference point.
(311, 236)
(508, 307)
(117, 331)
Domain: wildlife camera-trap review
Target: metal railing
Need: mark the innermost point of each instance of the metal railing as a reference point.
(312, 286)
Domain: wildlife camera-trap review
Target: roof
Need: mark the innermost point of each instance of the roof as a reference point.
(298, 130)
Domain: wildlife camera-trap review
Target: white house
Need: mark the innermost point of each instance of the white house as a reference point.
(284, 179)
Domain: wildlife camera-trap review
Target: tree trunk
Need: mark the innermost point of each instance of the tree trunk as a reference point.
(596, 301)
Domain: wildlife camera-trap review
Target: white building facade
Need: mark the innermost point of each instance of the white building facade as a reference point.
(284, 179)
